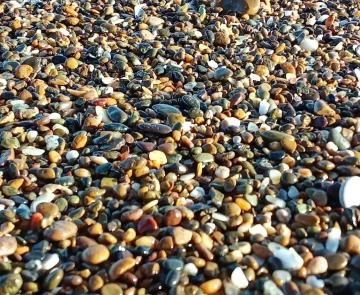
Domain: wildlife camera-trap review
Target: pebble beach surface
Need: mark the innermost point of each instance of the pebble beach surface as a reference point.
(183, 148)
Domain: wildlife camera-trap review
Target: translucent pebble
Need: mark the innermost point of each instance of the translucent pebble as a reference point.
(197, 192)
(293, 192)
(136, 186)
(281, 276)
(315, 282)
(50, 261)
(190, 269)
(72, 155)
(48, 197)
(258, 229)
(276, 201)
(290, 259)
(236, 139)
(270, 288)
(264, 107)
(238, 278)
(252, 127)
(333, 240)
(104, 116)
(275, 176)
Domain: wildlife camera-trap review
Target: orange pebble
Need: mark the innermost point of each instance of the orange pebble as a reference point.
(35, 220)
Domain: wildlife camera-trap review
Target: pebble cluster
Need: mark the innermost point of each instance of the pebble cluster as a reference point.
(182, 148)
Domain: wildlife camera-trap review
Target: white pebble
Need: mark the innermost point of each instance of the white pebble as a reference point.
(229, 121)
(239, 279)
(332, 146)
(333, 240)
(290, 259)
(102, 113)
(222, 172)
(191, 269)
(50, 261)
(258, 229)
(197, 192)
(54, 116)
(264, 107)
(31, 135)
(31, 151)
(221, 217)
(275, 176)
(309, 44)
(349, 192)
(52, 142)
(72, 155)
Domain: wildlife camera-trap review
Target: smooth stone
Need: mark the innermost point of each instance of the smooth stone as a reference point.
(337, 261)
(211, 287)
(8, 245)
(340, 141)
(165, 109)
(272, 135)
(229, 122)
(322, 108)
(121, 266)
(181, 235)
(111, 289)
(10, 284)
(348, 195)
(95, 254)
(309, 44)
(289, 258)
(116, 114)
(239, 279)
(222, 73)
(204, 158)
(350, 244)
(53, 279)
(172, 278)
(61, 230)
(317, 265)
(155, 128)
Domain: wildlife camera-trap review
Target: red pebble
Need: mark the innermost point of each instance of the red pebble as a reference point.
(35, 220)
(147, 224)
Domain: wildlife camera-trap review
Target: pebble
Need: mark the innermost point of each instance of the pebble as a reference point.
(348, 196)
(8, 245)
(95, 254)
